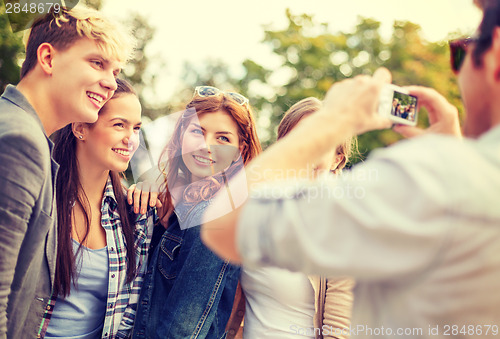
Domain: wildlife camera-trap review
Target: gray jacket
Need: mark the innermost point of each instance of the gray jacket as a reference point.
(27, 217)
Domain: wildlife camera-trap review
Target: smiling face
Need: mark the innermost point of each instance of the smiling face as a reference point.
(111, 142)
(210, 144)
(82, 80)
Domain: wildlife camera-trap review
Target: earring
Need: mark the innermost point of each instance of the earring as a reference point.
(80, 137)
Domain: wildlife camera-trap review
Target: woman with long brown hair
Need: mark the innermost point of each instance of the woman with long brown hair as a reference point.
(101, 246)
(189, 291)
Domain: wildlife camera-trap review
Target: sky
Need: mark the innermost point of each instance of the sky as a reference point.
(195, 31)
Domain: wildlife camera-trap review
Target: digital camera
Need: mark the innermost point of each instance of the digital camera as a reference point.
(397, 104)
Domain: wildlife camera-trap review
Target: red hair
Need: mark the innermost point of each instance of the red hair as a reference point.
(173, 167)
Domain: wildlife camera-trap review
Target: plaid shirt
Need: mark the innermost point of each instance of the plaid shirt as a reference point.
(122, 297)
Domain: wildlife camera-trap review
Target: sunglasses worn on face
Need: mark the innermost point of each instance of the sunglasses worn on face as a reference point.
(208, 91)
(458, 50)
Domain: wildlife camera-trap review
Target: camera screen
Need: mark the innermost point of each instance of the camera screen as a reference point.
(404, 106)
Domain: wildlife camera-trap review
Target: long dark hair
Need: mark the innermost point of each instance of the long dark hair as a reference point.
(69, 193)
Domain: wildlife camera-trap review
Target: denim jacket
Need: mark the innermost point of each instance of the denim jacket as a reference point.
(188, 291)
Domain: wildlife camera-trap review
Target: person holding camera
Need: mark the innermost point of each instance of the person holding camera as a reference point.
(427, 269)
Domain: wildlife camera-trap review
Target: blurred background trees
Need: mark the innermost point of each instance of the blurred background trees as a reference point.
(311, 58)
(11, 51)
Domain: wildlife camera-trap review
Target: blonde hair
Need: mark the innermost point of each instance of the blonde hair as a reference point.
(302, 109)
(63, 29)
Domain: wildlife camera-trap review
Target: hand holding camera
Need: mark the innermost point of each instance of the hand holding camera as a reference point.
(443, 116)
(366, 103)
(353, 103)
(400, 106)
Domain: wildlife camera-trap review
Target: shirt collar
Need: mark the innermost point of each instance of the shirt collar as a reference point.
(17, 98)
(109, 194)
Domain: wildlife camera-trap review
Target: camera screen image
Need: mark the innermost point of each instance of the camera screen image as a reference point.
(404, 106)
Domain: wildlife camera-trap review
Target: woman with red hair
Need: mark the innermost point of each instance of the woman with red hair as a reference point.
(189, 291)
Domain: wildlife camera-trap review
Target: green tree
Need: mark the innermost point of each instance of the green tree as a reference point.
(11, 51)
(135, 70)
(212, 73)
(314, 58)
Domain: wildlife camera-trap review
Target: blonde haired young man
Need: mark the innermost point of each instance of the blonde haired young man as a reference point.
(69, 73)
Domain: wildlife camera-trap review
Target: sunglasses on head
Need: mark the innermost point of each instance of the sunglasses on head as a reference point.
(209, 91)
(458, 50)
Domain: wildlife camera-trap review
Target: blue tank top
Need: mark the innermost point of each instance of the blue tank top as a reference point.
(81, 314)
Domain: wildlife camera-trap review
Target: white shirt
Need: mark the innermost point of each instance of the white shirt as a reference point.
(417, 225)
(279, 304)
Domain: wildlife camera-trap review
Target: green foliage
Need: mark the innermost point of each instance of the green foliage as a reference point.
(11, 49)
(314, 59)
(214, 73)
(136, 69)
